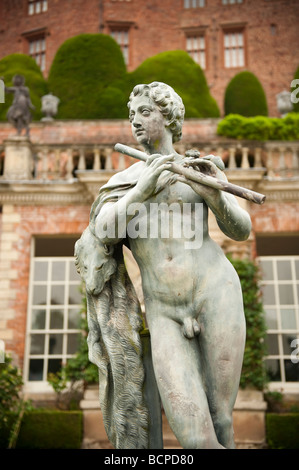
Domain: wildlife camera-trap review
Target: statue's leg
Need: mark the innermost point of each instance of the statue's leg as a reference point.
(178, 374)
(221, 344)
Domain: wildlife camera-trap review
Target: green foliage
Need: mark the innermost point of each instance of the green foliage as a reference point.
(282, 430)
(245, 95)
(51, 429)
(22, 64)
(296, 105)
(177, 69)
(260, 128)
(12, 406)
(253, 371)
(82, 76)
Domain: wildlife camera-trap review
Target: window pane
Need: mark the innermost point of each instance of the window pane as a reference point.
(267, 270)
(272, 344)
(40, 270)
(37, 344)
(273, 370)
(288, 319)
(37, 7)
(56, 319)
(39, 295)
(291, 371)
(297, 268)
(271, 318)
(268, 295)
(55, 344)
(227, 58)
(38, 319)
(54, 365)
(74, 318)
(284, 272)
(75, 295)
(57, 295)
(36, 367)
(58, 270)
(45, 5)
(286, 341)
(286, 296)
(73, 343)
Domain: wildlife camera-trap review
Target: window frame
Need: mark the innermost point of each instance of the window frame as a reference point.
(279, 308)
(229, 30)
(198, 34)
(32, 5)
(43, 385)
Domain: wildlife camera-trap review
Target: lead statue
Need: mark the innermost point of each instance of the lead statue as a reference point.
(192, 294)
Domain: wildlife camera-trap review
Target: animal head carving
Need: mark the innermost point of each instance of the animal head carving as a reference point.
(94, 262)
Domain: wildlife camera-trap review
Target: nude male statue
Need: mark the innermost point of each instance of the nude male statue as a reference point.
(192, 296)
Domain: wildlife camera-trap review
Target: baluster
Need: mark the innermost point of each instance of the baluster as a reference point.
(108, 159)
(269, 163)
(232, 158)
(44, 172)
(282, 163)
(69, 164)
(245, 162)
(295, 159)
(81, 163)
(96, 160)
(257, 157)
(57, 164)
(121, 162)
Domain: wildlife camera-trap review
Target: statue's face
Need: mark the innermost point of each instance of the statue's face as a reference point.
(147, 121)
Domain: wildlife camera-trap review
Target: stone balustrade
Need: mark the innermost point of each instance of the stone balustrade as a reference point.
(62, 161)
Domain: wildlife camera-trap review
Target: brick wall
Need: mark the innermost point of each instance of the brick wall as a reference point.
(270, 29)
(19, 225)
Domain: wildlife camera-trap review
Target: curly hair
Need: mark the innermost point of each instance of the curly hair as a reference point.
(169, 103)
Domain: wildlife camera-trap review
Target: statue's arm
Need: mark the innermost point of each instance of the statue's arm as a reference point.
(112, 214)
(231, 218)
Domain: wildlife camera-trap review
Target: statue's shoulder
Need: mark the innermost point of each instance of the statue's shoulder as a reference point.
(128, 175)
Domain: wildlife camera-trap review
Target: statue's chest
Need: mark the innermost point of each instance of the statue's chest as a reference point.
(177, 193)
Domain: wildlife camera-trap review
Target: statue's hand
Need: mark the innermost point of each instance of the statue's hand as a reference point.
(154, 166)
(210, 165)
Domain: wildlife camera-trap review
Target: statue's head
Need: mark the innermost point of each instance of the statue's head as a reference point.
(18, 80)
(169, 103)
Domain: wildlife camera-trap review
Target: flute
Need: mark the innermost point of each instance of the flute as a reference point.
(198, 177)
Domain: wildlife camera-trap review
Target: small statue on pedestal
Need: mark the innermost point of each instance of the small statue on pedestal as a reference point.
(49, 106)
(19, 114)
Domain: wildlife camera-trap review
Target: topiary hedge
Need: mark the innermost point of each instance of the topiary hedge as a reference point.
(51, 429)
(178, 69)
(245, 95)
(23, 65)
(260, 127)
(82, 76)
(282, 430)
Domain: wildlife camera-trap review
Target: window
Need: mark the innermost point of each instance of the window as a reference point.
(231, 2)
(280, 288)
(196, 49)
(194, 3)
(37, 50)
(122, 39)
(37, 6)
(53, 309)
(234, 49)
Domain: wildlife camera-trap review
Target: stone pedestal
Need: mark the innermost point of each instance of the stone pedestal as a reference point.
(18, 160)
(249, 419)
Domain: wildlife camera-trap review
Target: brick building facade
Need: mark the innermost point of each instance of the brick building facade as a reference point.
(223, 36)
